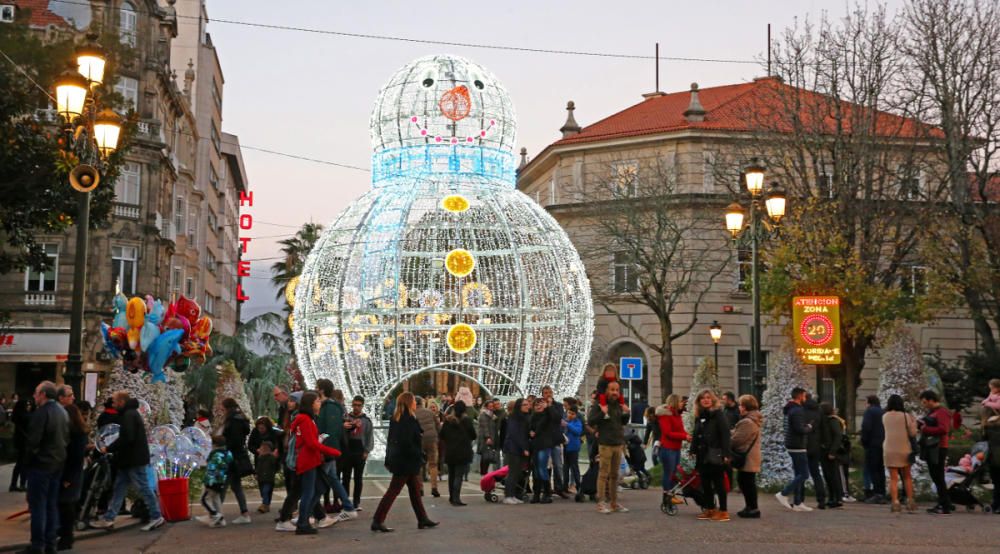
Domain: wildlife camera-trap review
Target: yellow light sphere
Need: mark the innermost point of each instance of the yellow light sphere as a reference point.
(455, 203)
(291, 321)
(461, 338)
(460, 262)
(290, 290)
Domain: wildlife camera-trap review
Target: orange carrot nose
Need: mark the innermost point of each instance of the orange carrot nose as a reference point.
(455, 104)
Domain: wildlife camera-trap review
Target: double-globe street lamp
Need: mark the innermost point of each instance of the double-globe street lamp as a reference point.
(91, 134)
(715, 330)
(766, 211)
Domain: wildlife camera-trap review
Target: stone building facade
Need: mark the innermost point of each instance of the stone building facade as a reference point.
(148, 232)
(686, 135)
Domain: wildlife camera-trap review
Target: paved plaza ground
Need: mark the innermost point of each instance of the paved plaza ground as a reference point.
(569, 526)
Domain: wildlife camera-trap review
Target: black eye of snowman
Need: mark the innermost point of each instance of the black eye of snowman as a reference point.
(428, 82)
(479, 84)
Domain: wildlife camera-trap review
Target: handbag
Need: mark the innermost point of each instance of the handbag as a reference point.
(490, 455)
(244, 467)
(740, 458)
(912, 458)
(714, 457)
(930, 448)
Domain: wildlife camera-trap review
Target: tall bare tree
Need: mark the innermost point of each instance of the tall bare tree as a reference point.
(953, 47)
(652, 238)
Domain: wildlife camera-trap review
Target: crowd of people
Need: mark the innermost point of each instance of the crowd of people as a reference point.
(532, 444)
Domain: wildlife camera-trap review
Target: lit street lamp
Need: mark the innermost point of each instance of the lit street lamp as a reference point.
(765, 216)
(716, 331)
(92, 135)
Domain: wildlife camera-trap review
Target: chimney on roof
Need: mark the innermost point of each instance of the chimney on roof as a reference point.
(695, 111)
(189, 78)
(524, 158)
(571, 127)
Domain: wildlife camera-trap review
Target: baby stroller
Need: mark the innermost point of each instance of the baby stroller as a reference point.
(492, 484)
(961, 480)
(688, 486)
(636, 458)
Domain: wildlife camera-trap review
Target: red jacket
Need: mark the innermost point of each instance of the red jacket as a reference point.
(943, 427)
(309, 451)
(672, 432)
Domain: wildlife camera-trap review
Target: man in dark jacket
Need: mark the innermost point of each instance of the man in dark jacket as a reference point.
(544, 422)
(872, 437)
(731, 409)
(796, 433)
(608, 421)
(516, 447)
(359, 440)
(812, 418)
(331, 423)
(48, 437)
(558, 438)
(131, 458)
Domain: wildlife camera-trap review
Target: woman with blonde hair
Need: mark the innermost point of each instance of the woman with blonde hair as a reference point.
(746, 452)
(671, 438)
(711, 449)
(403, 457)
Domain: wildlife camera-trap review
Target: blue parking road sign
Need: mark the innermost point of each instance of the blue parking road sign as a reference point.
(630, 369)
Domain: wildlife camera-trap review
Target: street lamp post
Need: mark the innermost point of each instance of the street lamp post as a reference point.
(716, 331)
(92, 135)
(760, 227)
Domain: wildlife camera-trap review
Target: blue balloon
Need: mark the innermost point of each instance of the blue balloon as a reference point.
(120, 303)
(160, 350)
(151, 327)
(108, 345)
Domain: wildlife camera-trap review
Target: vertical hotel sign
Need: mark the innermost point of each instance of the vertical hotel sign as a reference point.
(817, 329)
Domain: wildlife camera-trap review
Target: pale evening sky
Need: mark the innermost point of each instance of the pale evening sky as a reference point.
(311, 94)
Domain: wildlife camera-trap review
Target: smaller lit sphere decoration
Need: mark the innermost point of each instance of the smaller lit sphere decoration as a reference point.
(444, 265)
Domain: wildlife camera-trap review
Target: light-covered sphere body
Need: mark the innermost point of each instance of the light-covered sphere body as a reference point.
(443, 100)
(443, 265)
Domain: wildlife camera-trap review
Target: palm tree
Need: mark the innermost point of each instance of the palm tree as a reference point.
(260, 372)
(296, 249)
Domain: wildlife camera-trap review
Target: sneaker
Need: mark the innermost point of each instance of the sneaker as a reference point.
(295, 520)
(938, 510)
(511, 501)
(619, 508)
(721, 515)
(306, 531)
(154, 524)
(752, 514)
(848, 498)
(676, 501)
(347, 515)
(285, 526)
(801, 508)
(603, 508)
(783, 500)
(102, 524)
(358, 508)
(242, 520)
(263, 509)
(207, 520)
(706, 515)
(327, 521)
(218, 521)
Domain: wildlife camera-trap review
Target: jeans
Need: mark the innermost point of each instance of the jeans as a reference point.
(43, 503)
(831, 472)
(353, 465)
(669, 459)
(713, 484)
(413, 486)
(236, 484)
(748, 486)
(212, 501)
(542, 458)
(307, 482)
(266, 491)
(455, 473)
(139, 478)
(937, 475)
(332, 481)
(515, 468)
(558, 483)
(571, 468)
(875, 471)
(800, 465)
(607, 475)
(817, 479)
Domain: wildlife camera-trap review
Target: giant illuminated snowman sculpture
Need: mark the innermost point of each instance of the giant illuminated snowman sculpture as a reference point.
(443, 265)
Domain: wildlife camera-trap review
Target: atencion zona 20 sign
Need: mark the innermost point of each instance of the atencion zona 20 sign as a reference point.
(817, 329)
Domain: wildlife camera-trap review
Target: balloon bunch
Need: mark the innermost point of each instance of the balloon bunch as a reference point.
(148, 335)
(177, 452)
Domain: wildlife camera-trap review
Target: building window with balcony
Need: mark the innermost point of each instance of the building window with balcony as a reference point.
(128, 88)
(211, 261)
(123, 262)
(44, 281)
(180, 207)
(127, 24)
(744, 371)
(176, 278)
(625, 178)
(193, 218)
(209, 304)
(128, 184)
(624, 273)
(189, 288)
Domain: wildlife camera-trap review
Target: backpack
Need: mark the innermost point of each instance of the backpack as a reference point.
(292, 453)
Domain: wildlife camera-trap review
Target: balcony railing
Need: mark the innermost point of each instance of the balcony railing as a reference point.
(126, 211)
(40, 299)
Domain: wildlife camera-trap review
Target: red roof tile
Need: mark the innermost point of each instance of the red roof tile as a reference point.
(41, 16)
(740, 108)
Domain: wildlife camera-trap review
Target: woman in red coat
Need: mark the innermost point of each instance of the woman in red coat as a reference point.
(672, 434)
(309, 456)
